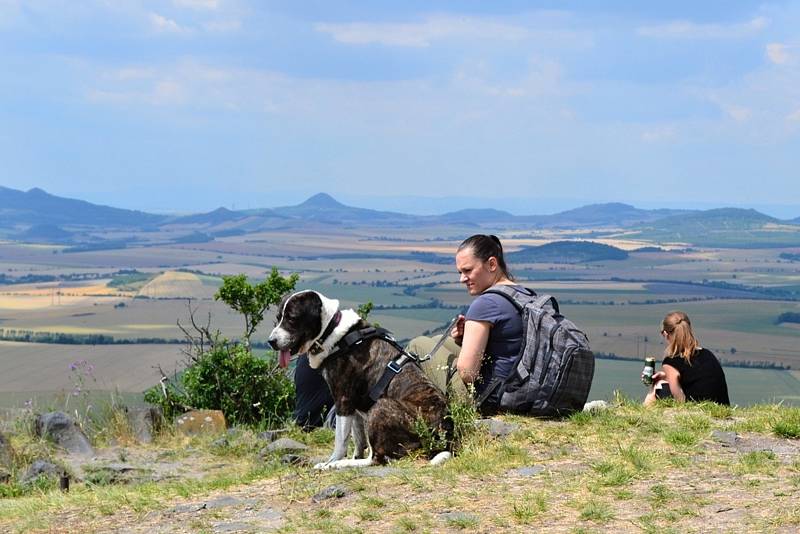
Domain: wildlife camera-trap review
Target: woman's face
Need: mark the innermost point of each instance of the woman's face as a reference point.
(477, 275)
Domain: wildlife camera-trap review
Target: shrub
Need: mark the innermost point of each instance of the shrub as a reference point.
(248, 390)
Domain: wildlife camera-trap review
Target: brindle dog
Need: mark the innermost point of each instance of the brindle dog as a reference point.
(308, 321)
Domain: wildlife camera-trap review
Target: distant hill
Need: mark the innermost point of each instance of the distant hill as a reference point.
(723, 227)
(37, 207)
(567, 252)
(324, 208)
(45, 233)
(473, 216)
(609, 214)
(218, 216)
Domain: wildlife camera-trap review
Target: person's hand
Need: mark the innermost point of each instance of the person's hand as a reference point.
(457, 332)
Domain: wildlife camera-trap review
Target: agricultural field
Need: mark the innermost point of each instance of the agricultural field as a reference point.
(734, 296)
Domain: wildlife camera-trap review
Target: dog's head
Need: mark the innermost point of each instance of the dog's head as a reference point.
(302, 318)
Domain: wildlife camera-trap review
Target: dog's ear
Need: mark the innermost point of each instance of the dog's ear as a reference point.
(329, 306)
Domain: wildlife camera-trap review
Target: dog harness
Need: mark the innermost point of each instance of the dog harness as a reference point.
(393, 368)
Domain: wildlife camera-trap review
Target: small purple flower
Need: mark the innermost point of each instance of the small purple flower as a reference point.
(73, 366)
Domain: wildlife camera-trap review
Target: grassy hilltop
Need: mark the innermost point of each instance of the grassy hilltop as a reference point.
(689, 468)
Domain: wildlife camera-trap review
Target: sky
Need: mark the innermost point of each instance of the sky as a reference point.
(417, 106)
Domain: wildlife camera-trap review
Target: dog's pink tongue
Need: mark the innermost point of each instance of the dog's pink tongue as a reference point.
(284, 357)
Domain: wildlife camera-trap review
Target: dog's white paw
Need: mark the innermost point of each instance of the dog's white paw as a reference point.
(342, 464)
(441, 458)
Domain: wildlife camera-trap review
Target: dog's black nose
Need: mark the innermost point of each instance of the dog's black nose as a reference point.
(273, 343)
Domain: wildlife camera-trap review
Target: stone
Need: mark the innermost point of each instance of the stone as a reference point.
(220, 443)
(285, 445)
(382, 471)
(727, 439)
(5, 476)
(496, 428)
(293, 459)
(271, 435)
(6, 452)
(201, 422)
(41, 468)
(331, 492)
(236, 526)
(116, 473)
(145, 422)
(528, 471)
(61, 430)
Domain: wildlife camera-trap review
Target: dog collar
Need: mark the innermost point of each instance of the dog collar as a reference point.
(317, 347)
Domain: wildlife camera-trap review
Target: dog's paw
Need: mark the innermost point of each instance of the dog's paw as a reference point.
(441, 458)
(322, 466)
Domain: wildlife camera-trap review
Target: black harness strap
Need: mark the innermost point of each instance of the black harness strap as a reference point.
(393, 368)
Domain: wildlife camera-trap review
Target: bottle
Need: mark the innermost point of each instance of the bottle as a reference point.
(648, 371)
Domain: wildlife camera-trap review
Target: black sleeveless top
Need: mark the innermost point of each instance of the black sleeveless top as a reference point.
(703, 378)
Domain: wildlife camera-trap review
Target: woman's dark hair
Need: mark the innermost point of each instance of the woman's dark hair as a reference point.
(484, 247)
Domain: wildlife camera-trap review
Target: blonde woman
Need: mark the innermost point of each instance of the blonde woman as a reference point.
(688, 371)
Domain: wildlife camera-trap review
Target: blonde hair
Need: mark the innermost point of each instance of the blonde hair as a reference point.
(681, 338)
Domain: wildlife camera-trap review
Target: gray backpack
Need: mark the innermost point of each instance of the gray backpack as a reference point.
(553, 372)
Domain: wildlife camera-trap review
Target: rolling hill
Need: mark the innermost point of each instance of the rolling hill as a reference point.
(567, 252)
(37, 207)
(723, 227)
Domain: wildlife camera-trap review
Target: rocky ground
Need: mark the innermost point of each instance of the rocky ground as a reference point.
(692, 468)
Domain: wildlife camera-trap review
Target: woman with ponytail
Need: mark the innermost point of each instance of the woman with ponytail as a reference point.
(487, 339)
(688, 371)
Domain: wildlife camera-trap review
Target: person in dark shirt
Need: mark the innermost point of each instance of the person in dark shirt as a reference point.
(688, 371)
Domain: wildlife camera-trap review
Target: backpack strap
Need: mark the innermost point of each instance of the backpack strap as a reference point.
(520, 298)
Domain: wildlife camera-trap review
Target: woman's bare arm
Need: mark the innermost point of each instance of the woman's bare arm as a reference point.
(473, 345)
(673, 377)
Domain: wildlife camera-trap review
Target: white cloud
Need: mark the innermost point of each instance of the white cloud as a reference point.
(197, 4)
(794, 116)
(689, 30)
(163, 24)
(778, 53)
(421, 34)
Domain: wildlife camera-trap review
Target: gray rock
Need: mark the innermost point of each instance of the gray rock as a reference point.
(41, 468)
(331, 492)
(220, 443)
(271, 435)
(382, 471)
(293, 459)
(61, 430)
(145, 423)
(728, 439)
(285, 445)
(6, 453)
(236, 526)
(496, 428)
(529, 471)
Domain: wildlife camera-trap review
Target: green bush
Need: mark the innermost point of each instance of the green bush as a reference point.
(248, 390)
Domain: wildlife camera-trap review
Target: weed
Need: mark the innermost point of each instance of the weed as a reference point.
(763, 462)
(596, 511)
(406, 524)
(680, 437)
(527, 507)
(788, 424)
(463, 522)
(660, 495)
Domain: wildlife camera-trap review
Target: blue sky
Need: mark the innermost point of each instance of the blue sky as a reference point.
(186, 105)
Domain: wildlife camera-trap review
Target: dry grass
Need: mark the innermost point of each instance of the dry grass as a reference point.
(628, 469)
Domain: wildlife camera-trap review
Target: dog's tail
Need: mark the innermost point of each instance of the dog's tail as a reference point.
(441, 458)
